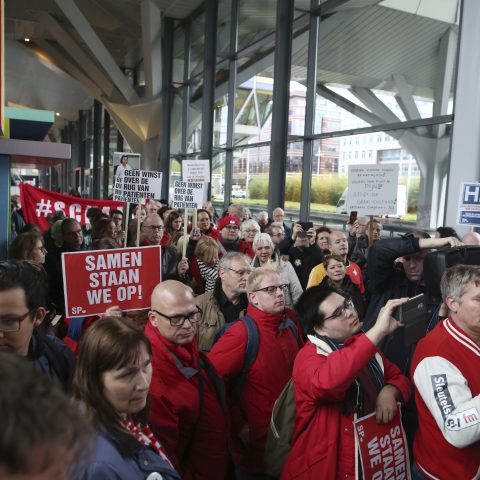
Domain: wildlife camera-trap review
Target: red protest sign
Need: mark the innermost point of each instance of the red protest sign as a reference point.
(383, 448)
(98, 279)
(38, 204)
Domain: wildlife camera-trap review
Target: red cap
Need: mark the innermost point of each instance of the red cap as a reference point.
(228, 220)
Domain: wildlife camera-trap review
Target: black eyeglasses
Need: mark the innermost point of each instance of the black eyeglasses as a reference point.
(340, 311)
(179, 320)
(11, 323)
(240, 272)
(272, 289)
(157, 228)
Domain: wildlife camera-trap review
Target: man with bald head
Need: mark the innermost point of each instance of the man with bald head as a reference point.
(471, 238)
(187, 396)
(338, 245)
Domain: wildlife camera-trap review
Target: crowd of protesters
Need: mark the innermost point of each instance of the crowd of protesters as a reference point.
(186, 389)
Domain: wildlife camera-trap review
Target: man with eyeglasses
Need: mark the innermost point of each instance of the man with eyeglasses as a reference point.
(23, 288)
(278, 217)
(151, 233)
(227, 302)
(187, 396)
(229, 239)
(278, 343)
(337, 376)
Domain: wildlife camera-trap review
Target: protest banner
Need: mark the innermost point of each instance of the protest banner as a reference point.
(188, 195)
(98, 279)
(469, 204)
(196, 171)
(136, 185)
(372, 189)
(383, 448)
(38, 204)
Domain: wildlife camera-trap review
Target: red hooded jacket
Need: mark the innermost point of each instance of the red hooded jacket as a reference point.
(175, 417)
(266, 378)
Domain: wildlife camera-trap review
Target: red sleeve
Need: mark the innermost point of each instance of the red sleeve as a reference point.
(165, 423)
(393, 376)
(228, 354)
(328, 377)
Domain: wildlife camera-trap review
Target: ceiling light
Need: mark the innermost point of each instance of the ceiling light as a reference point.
(57, 114)
(26, 39)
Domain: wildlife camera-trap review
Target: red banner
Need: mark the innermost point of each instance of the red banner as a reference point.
(383, 448)
(98, 279)
(38, 204)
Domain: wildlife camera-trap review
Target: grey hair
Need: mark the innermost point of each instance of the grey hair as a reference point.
(263, 215)
(262, 238)
(456, 280)
(249, 224)
(226, 260)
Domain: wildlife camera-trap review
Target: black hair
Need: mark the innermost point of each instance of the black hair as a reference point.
(307, 307)
(202, 210)
(28, 276)
(447, 232)
(116, 212)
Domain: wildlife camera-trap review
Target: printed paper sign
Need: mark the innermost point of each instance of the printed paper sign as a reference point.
(38, 204)
(98, 279)
(383, 448)
(123, 161)
(188, 195)
(469, 204)
(196, 171)
(135, 185)
(372, 189)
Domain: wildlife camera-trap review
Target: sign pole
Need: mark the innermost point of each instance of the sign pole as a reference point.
(127, 217)
(370, 231)
(185, 230)
(139, 213)
(194, 218)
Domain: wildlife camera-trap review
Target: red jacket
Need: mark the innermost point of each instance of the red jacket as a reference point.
(326, 447)
(212, 232)
(266, 378)
(175, 415)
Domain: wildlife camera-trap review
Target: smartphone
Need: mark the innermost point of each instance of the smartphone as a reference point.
(414, 316)
(306, 225)
(352, 217)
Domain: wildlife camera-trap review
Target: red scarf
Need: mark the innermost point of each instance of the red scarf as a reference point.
(145, 436)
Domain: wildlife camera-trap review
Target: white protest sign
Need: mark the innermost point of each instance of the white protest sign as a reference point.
(196, 171)
(372, 189)
(188, 195)
(469, 204)
(136, 185)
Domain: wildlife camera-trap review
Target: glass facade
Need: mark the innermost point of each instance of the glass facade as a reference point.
(373, 85)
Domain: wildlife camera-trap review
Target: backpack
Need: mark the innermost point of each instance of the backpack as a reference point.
(280, 431)
(251, 349)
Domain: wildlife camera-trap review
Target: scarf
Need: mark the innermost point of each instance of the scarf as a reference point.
(209, 275)
(145, 436)
(362, 394)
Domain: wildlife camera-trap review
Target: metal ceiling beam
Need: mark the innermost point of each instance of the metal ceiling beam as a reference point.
(152, 47)
(80, 23)
(406, 102)
(446, 65)
(70, 69)
(371, 101)
(73, 49)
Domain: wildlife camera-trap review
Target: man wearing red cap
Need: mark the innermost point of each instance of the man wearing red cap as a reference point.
(229, 240)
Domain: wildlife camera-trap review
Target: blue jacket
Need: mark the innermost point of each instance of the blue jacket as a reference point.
(108, 463)
(52, 358)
